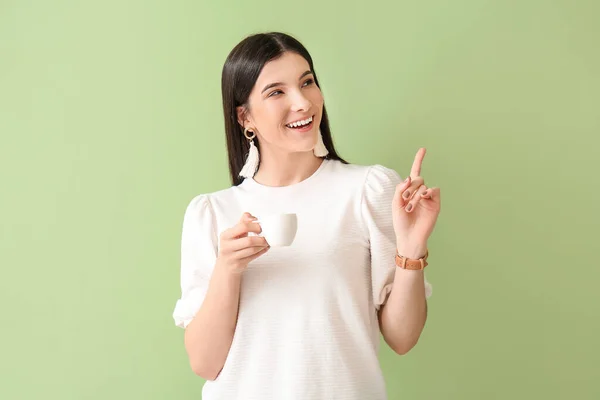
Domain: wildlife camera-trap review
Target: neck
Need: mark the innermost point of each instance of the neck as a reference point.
(284, 169)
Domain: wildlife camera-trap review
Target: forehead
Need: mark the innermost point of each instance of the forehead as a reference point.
(286, 68)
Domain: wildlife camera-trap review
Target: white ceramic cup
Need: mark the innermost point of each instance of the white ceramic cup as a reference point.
(279, 229)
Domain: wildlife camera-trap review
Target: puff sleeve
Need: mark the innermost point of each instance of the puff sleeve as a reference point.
(378, 193)
(198, 255)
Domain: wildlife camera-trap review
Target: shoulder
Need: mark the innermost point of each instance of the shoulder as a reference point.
(203, 203)
(381, 178)
(199, 208)
(375, 176)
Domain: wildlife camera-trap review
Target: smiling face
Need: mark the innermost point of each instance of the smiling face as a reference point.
(285, 106)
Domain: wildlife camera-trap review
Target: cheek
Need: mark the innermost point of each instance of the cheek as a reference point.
(274, 110)
(316, 99)
(269, 113)
(317, 95)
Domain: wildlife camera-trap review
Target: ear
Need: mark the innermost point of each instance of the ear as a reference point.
(241, 116)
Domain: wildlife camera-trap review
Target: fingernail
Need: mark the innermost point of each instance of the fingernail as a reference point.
(424, 194)
(406, 194)
(407, 179)
(409, 207)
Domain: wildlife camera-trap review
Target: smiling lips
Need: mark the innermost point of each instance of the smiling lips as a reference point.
(301, 124)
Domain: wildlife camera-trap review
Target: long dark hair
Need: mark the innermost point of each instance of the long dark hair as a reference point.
(240, 72)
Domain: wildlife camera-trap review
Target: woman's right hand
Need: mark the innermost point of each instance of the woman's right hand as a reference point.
(237, 249)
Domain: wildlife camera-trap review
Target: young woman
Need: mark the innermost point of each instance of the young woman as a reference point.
(300, 322)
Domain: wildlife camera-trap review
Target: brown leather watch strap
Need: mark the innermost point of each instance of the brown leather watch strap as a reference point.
(408, 263)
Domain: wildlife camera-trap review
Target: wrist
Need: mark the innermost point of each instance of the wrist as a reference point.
(412, 251)
(224, 271)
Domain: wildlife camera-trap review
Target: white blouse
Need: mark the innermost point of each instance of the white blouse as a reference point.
(307, 327)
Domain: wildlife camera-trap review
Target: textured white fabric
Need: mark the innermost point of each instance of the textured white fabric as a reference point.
(307, 327)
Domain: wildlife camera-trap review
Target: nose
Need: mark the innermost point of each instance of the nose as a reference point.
(299, 102)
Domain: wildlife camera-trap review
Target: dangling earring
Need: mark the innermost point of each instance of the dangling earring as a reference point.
(320, 150)
(249, 168)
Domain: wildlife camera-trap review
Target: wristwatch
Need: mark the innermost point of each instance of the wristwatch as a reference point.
(411, 264)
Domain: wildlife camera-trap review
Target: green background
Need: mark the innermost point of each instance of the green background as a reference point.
(111, 121)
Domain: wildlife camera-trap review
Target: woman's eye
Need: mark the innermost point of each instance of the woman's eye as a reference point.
(278, 92)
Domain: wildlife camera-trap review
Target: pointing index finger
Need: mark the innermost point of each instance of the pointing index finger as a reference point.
(416, 167)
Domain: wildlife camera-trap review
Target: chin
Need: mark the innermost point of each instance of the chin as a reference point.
(301, 148)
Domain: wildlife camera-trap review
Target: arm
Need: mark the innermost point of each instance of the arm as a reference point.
(208, 337)
(399, 295)
(402, 318)
(415, 210)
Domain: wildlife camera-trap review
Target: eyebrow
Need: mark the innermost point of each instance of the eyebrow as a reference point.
(270, 85)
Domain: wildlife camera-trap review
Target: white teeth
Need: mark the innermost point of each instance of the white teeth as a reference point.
(300, 123)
